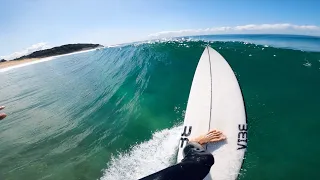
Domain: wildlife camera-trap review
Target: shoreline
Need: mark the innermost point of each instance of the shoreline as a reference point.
(8, 65)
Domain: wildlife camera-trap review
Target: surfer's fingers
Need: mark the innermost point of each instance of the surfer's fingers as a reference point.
(214, 136)
(214, 130)
(221, 138)
(2, 107)
(215, 133)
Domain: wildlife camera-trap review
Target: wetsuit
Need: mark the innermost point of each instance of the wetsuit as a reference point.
(195, 165)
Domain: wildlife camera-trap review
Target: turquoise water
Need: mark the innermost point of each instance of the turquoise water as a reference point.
(116, 113)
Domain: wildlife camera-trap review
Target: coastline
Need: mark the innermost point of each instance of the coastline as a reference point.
(8, 65)
(16, 62)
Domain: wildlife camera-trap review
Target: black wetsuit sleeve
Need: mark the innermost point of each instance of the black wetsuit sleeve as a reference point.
(195, 165)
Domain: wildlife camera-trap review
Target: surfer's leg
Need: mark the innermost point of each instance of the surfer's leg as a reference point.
(211, 137)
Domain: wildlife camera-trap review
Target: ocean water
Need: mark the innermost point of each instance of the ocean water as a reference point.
(116, 113)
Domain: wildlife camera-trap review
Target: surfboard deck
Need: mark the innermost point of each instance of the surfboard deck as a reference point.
(216, 102)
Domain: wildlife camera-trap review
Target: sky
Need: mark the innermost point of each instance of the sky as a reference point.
(30, 25)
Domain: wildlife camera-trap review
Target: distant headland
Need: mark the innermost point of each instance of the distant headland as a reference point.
(59, 50)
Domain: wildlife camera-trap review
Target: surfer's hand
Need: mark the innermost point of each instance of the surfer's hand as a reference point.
(2, 115)
(211, 137)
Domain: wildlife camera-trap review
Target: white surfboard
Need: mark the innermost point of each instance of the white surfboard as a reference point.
(216, 102)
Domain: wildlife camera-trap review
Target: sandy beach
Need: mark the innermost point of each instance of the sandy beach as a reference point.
(17, 62)
(8, 65)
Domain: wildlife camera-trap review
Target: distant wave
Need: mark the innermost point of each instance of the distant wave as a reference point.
(294, 42)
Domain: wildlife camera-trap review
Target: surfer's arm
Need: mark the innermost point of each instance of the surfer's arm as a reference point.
(195, 153)
(196, 162)
(195, 165)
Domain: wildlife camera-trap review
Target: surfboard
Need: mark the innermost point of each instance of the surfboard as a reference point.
(216, 102)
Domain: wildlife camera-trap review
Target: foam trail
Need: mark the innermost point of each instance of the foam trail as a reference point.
(145, 158)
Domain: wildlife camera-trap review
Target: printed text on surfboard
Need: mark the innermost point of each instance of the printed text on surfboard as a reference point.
(186, 132)
(242, 136)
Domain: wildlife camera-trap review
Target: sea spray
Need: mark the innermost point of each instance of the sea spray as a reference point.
(145, 158)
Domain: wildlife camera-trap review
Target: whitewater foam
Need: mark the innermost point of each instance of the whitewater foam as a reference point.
(307, 64)
(145, 158)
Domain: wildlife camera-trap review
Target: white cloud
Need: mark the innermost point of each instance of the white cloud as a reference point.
(285, 28)
(29, 50)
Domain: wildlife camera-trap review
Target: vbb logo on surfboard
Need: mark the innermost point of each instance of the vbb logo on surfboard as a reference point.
(185, 134)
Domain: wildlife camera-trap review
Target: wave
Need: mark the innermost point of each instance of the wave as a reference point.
(107, 100)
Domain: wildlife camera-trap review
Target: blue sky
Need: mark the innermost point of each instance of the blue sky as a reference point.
(24, 23)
